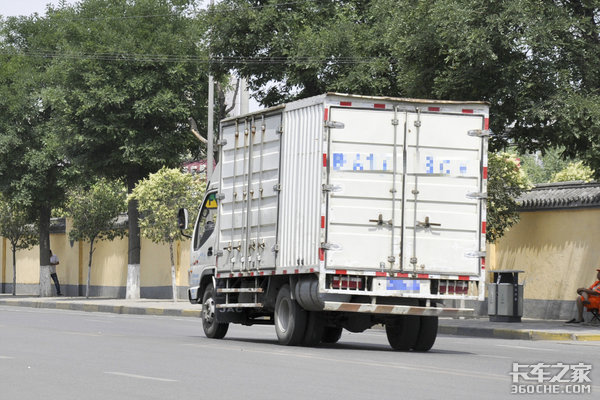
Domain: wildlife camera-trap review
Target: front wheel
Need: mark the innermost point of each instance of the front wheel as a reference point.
(212, 329)
(290, 318)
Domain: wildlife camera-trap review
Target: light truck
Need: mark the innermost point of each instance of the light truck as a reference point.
(343, 212)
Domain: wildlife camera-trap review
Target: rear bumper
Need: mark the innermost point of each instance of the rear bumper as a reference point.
(397, 310)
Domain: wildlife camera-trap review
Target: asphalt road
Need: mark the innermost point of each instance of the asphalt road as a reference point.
(57, 354)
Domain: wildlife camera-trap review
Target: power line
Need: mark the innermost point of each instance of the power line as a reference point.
(220, 8)
(166, 58)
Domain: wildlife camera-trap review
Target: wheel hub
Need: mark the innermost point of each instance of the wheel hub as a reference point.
(208, 310)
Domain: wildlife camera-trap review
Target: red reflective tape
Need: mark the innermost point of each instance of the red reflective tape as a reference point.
(467, 111)
(218, 275)
(296, 271)
(463, 278)
(346, 103)
(341, 271)
(486, 123)
(424, 276)
(325, 160)
(262, 273)
(251, 273)
(482, 261)
(379, 105)
(312, 270)
(326, 115)
(485, 172)
(285, 271)
(323, 222)
(402, 275)
(322, 254)
(433, 109)
(483, 226)
(380, 273)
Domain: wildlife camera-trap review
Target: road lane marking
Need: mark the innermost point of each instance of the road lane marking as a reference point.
(6, 358)
(526, 348)
(382, 364)
(150, 378)
(491, 356)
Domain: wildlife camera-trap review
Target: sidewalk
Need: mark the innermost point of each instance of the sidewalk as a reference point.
(479, 327)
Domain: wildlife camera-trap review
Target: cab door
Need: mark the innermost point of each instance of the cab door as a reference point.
(204, 240)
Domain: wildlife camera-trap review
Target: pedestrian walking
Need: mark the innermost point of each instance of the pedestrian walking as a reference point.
(53, 263)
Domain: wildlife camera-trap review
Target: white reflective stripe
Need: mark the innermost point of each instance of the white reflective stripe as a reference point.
(397, 310)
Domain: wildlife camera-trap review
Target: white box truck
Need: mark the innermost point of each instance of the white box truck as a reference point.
(342, 212)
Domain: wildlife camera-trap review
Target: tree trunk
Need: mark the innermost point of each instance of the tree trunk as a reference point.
(14, 251)
(87, 286)
(133, 259)
(44, 225)
(173, 277)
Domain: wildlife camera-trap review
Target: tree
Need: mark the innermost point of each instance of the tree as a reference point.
(17, 227)
(160, 196)
(506, 182)
(536, 62)
(33, 170)
(574, 171)
(94, 211)
(128, 75)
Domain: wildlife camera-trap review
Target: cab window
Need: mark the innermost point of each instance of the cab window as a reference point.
(207, 220)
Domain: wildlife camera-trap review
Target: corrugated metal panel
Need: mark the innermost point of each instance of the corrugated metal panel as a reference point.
(300, 210)
(248, 210)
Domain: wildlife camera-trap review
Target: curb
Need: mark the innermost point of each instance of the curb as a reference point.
(517, 334)
(130, 310)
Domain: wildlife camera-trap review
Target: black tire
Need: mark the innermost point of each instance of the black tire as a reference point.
(402, 332)
(427, 333)
(290, 318)
(212, 329)
(331, 334)
(315, 326)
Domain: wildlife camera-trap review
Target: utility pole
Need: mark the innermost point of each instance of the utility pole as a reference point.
(211, 104)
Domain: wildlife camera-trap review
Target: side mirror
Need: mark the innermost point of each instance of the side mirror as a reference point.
(182, 218)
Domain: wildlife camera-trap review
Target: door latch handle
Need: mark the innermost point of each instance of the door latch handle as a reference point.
(427, 224)
(380, 221)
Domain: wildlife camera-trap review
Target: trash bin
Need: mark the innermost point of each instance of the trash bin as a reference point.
(505, 297)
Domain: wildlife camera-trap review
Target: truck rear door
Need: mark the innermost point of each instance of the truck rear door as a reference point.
(399, 183)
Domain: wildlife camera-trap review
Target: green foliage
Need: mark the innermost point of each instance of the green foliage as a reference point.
(16, 225)
(574, 171)
(506, 182)
(160, 196)
(125, 84)
(94, 211)
(536, 62)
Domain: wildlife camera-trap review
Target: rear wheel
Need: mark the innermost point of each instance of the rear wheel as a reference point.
(212, 329)
(331, 334)
(315, 327)
(290, 318)
(402, 332)
(427, 333)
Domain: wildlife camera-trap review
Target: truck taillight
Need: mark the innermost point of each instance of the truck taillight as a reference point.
(347, 282)
(453, 287)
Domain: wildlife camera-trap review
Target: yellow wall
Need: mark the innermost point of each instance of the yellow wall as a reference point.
(109, 263)
(559, 250)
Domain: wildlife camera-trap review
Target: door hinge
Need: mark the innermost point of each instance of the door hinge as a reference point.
(222, 143)
(480, 132)
(475, 254)
(418, 123)
(334, 125)
(477, 196)
(277, 188)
